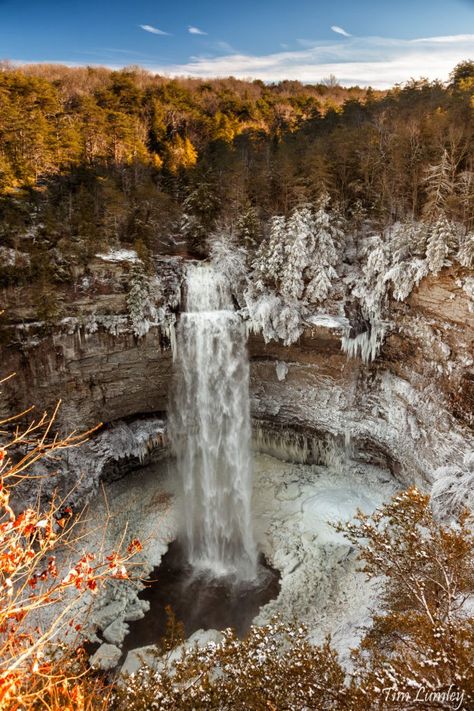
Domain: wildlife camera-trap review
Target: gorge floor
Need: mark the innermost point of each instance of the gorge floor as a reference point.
(293, 507)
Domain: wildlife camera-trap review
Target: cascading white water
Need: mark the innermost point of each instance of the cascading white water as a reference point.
(210, 428)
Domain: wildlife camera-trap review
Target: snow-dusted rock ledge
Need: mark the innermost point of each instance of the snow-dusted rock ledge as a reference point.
(112, 453)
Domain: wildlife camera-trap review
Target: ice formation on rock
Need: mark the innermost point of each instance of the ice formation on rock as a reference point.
(365, 345)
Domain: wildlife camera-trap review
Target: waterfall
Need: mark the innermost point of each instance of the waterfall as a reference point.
(210, 428)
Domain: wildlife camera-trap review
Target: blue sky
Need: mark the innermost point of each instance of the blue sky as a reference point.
(360, 41)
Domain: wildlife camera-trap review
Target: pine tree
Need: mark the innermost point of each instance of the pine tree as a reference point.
(305, 248)
(320, 284)
(325, 243)
(465, 196)
(300, 231)
(465, 253)
(248, 229)
(440, 183)
(374, 272)
(440, 242)
(270, 258)
(139, 304)
(407, 240)
(200, 208)
(405, 275)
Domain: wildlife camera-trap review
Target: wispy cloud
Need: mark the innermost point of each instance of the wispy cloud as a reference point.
(377, 61)
(195, 31)
(340, 31)
(224, 47)
(153, 30)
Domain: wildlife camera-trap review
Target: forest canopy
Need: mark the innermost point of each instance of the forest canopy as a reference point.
(92, 158)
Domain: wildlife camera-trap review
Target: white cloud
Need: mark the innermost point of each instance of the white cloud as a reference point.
(195, 31)
(377, 61)
(224, 47)
(340, 31)
(153, 30)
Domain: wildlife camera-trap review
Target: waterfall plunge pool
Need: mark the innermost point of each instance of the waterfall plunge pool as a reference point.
(198, 600)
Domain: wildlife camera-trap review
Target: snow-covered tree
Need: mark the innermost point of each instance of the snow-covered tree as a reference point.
(320, 284)
(453, 488)
(190, 227)
(374, 270)
(405, 275)
(300, 230)
(299, 255)
(273, 318)
(289, 323)
(407, 243)
(141, 308)
(270, 258)
(407, 240)
(229, 259)
(465, 254)
(248, 228)
(199, 210)
(440, 185)
(324, 249)
(276, 283)
(371, 292)
(465, 195)
(296, 264)
(442, 238)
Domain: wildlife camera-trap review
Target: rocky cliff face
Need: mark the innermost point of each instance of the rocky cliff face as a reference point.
(412, 408)
(91, 358)
(99, 377)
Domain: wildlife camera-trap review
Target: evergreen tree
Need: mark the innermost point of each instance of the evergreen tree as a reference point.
(372, 289)
(248, 228)
(405, 275)
(441, 240)
(139, 304)
(465, 253)
(270, 258)
(325, 244)
(299, 232)
(200, 208)
(440, 183)
(407, 240)
(465, 195)
(320, 284)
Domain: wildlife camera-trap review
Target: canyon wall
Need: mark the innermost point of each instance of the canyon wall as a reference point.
(91, 358)
(412, 408)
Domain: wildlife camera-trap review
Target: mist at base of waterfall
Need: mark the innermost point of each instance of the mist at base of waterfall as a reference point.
(199, 600)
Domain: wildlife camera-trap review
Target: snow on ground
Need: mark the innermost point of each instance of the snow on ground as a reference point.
(320, 584)
(119, 255)
(140, 505)
(328, 321)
